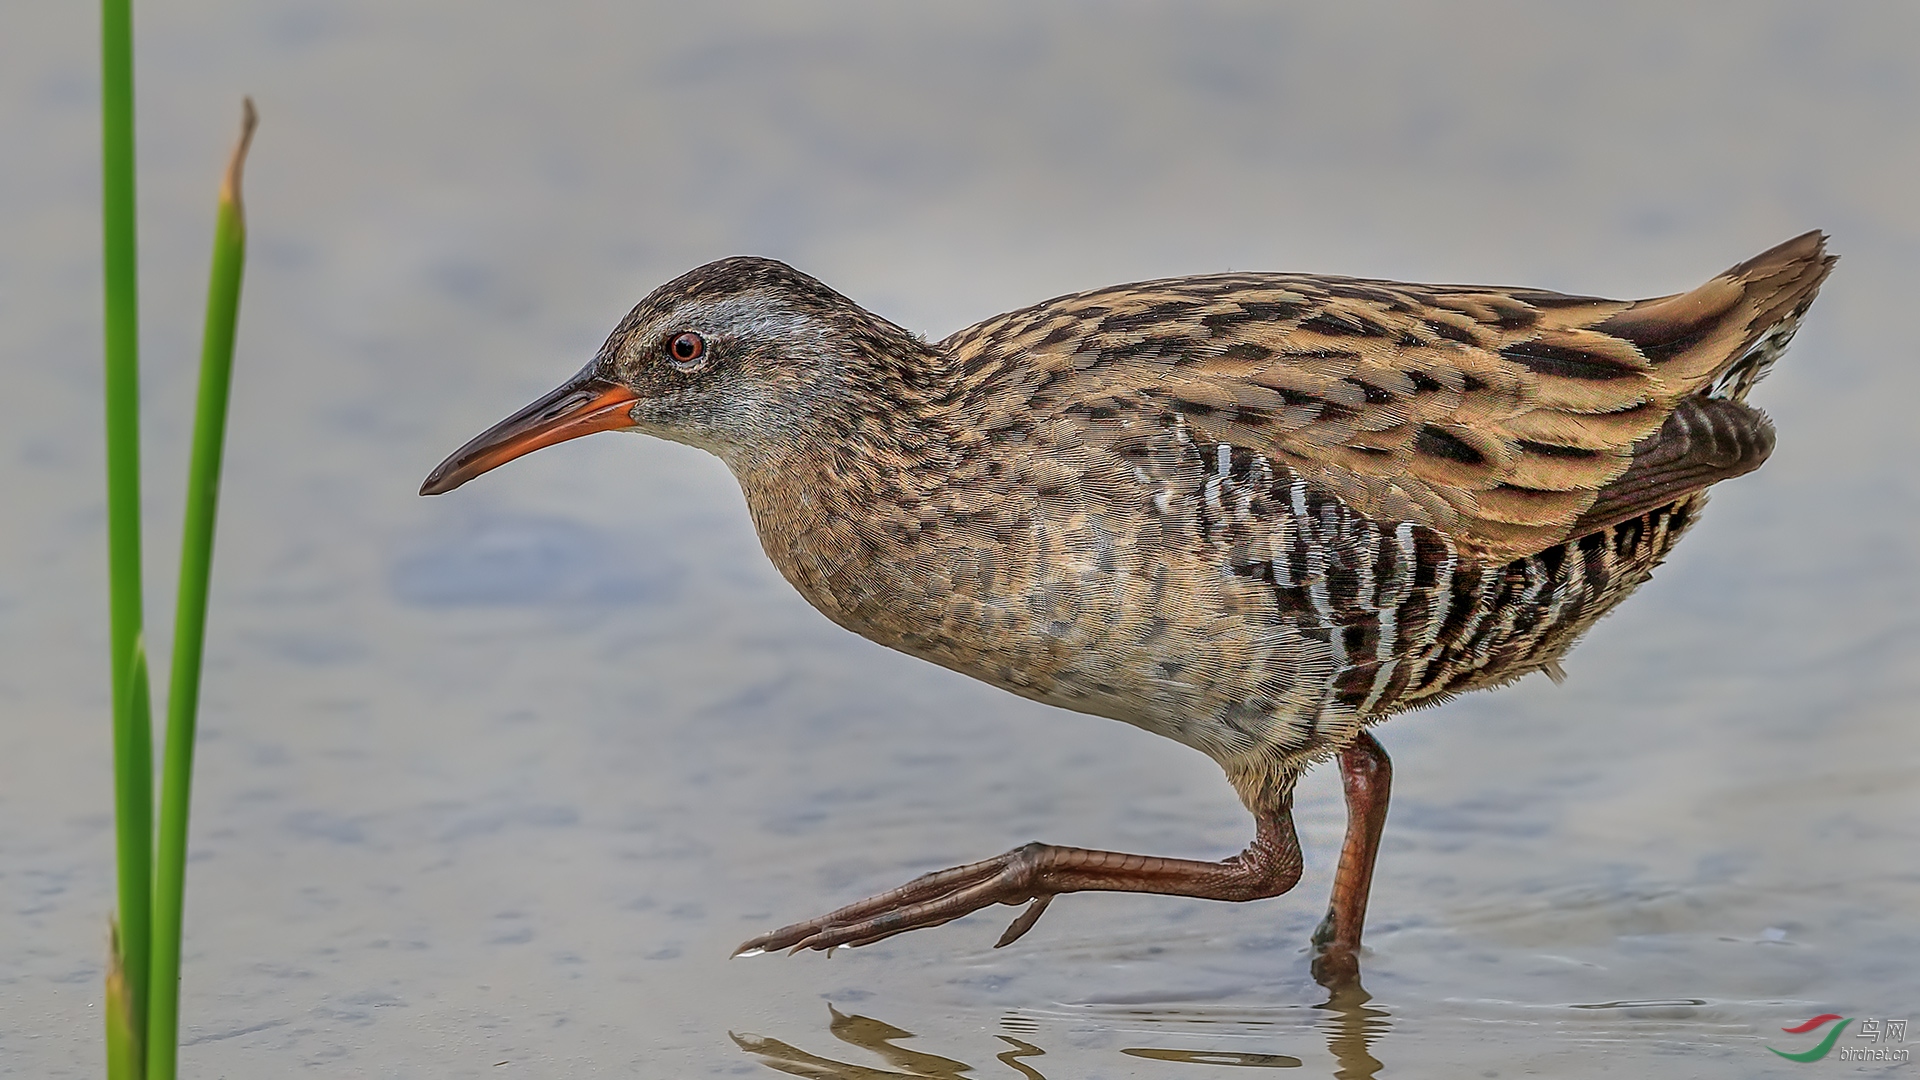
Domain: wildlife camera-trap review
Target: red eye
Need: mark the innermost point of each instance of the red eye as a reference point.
(686, 348)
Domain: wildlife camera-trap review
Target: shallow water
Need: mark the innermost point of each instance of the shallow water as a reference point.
(493, 782)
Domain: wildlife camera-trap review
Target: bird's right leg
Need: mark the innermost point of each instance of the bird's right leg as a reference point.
(1036, 873)
(1366, 776)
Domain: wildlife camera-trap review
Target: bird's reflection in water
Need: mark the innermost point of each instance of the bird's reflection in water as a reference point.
(1216, 1057)
(1351, 1027)
(865, 1032)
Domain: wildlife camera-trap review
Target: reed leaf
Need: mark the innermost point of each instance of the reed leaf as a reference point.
(132, 720)
(190, 624)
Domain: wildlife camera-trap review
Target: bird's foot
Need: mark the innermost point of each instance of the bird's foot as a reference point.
(1336, 967)
(929, 900)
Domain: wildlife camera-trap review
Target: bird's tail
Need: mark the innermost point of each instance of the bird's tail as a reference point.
(1712, 344)
(1793, 271)
(1724, 336)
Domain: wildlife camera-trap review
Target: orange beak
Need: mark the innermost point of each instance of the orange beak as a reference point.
(583, 405)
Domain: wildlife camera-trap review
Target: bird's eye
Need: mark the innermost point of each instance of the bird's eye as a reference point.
(687, 348)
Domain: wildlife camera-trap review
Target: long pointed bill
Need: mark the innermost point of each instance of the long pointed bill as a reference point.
(585, 404)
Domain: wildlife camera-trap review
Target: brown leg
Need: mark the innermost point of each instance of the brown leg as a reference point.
(1367, 776)
(1035, 874)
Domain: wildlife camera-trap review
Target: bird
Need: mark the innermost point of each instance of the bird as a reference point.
(1256, 513)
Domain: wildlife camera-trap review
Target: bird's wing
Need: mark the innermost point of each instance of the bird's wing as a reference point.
(1503, 417)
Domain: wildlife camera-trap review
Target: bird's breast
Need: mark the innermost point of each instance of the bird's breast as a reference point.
(1083, 584)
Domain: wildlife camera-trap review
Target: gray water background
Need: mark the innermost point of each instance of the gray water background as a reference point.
(490, 784)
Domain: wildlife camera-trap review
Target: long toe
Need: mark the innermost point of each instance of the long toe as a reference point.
(903, 916)
(884, 915)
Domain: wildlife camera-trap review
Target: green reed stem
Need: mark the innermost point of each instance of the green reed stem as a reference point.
(190, 623)
(132, 722)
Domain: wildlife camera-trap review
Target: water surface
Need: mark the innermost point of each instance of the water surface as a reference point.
(491, 784)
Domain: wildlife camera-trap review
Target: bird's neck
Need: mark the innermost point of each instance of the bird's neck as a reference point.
(840, 506)
(880, 420)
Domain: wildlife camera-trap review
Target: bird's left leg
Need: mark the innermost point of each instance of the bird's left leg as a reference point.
(1036, 873)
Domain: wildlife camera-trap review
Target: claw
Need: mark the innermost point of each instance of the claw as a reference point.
(1025, 921)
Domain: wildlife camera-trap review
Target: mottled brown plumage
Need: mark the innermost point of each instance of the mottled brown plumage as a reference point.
(1250, 512)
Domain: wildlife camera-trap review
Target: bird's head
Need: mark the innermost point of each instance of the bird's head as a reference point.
(744, 357)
